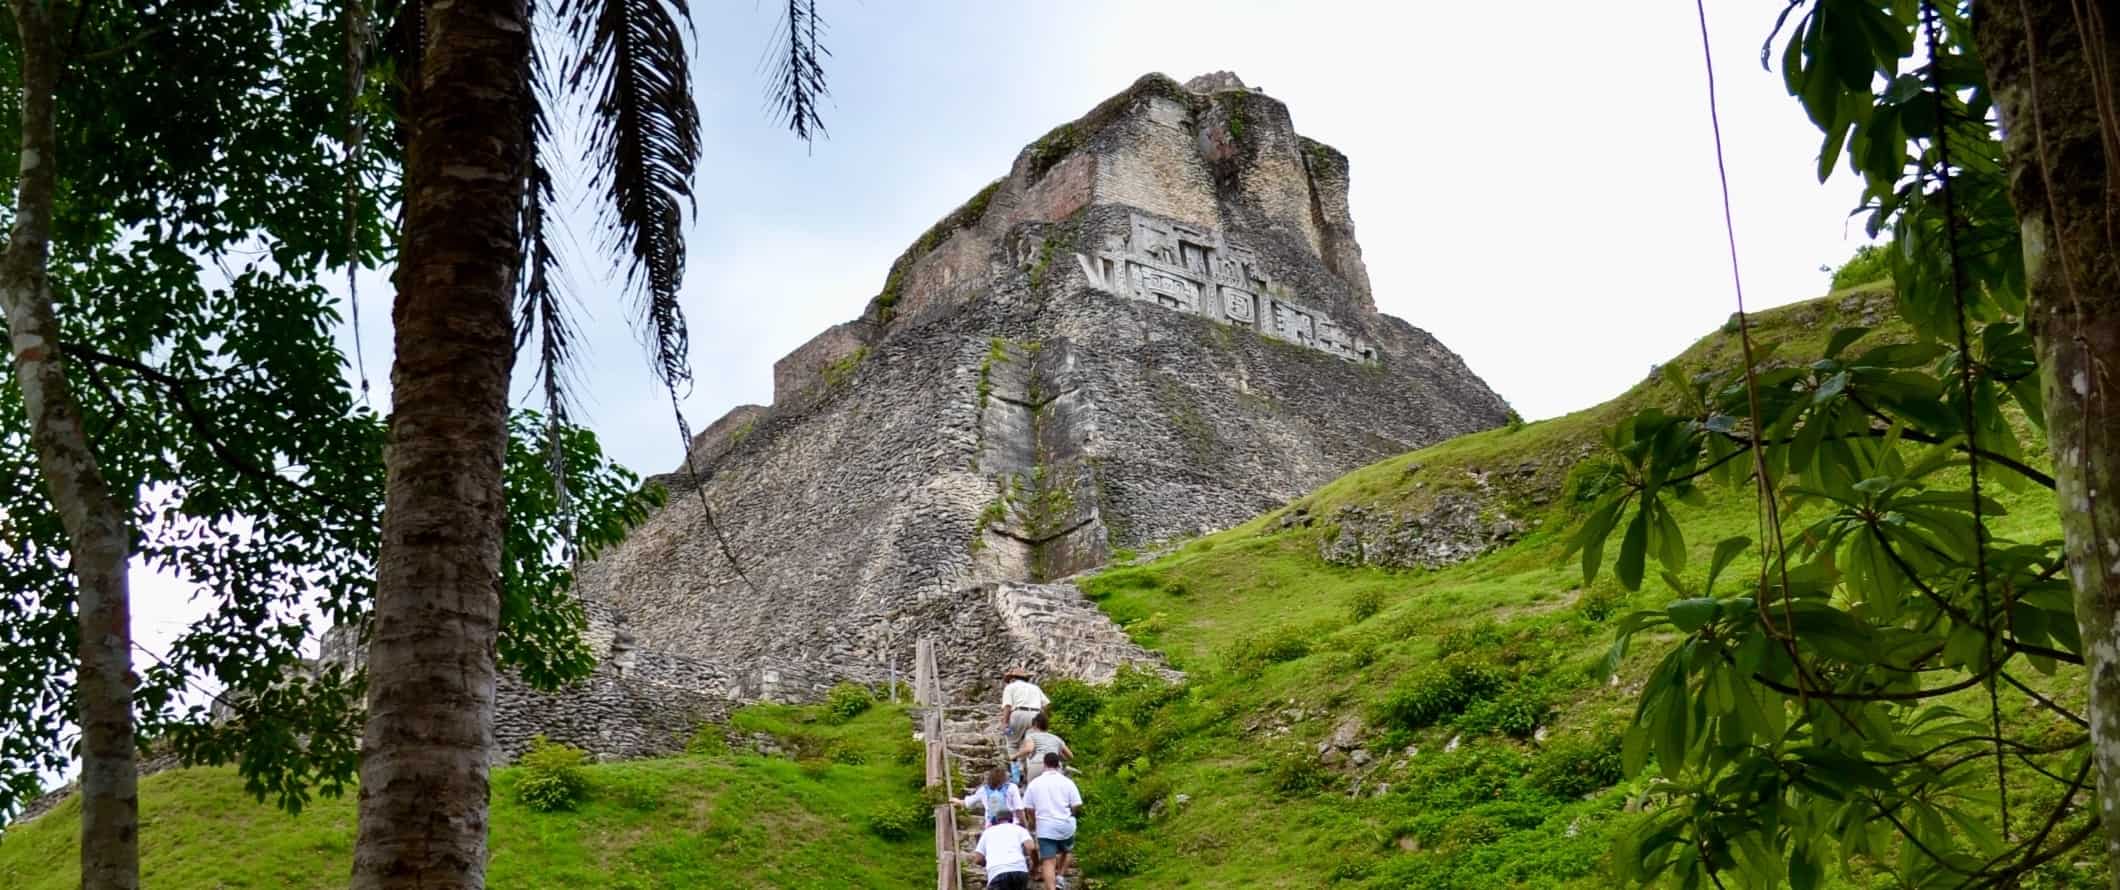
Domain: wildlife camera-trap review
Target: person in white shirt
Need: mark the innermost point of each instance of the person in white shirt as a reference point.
(1055, 803)
(1021, 700)
(998, 796)
(1007, 853)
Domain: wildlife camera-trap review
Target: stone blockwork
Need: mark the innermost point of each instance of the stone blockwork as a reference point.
(1059, 632)
(1156, 325)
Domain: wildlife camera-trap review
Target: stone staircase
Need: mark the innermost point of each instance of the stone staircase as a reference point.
(975, 746)
(1058, 627)
(972, 735)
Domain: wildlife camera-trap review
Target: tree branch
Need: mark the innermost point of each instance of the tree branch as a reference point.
(177, 390)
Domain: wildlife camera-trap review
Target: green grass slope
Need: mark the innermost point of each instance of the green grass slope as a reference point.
(698, 821)
(1442, 677)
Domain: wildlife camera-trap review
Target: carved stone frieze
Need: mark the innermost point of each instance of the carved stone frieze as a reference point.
(1198, 271)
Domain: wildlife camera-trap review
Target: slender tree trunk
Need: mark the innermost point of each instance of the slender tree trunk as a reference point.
(98, 539)
(431, 667)
(2053, 66)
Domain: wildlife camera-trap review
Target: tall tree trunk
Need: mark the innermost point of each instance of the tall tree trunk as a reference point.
(2053, 66)
(98, 538)
(431, 666)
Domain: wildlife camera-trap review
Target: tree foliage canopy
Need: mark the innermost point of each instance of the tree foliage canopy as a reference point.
(1847, 703)
(200, 204)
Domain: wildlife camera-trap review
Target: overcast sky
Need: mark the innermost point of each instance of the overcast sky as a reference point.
(1534, 183)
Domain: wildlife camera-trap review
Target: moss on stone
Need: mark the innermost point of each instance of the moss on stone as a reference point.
(1058, 240)
(840, 371)
(1063, 140)
(965, 216)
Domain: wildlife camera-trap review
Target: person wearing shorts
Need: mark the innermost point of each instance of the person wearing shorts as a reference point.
(1054, 804)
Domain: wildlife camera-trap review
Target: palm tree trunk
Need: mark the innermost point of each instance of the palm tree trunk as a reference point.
(2053, 66)
(429, 735)
(98, 539)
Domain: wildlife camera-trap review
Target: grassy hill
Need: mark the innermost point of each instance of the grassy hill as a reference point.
(1478, 733)
(719, 819)
(1342, 725)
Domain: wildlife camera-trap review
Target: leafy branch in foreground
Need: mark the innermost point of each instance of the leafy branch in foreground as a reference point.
(1897, 685)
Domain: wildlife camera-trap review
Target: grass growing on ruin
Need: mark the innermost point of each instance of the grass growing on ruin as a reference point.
(700, 820)
(1449, 671)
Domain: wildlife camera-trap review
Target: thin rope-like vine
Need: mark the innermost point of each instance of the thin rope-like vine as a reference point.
(1772, 545)
(1932, 29)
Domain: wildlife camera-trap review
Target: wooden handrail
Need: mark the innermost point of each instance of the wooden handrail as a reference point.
(927, 692)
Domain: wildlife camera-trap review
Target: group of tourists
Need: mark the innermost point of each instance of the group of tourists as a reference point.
(1030, 804)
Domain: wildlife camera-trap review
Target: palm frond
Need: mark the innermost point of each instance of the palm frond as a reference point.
(643, 149)
(541, 309)
(798, 85)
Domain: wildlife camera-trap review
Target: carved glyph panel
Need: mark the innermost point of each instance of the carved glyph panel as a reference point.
(1195, 270)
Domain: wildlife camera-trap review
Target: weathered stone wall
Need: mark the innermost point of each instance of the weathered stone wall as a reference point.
(801, 374)
(1059, 632)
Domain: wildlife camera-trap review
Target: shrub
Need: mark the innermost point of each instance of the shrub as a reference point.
(1572, 767)
(899, 819)
(850, 755)
(847, 701)
(1250, 655)
(1296, 771)
(1600, 602)
(1871, 262)
(1439, 693)
(1471, 830)
(1114, 854)
(553, 779)
(1363, 604)
(1518, 711)
(1482, 636)
(708, 740)
(1073, 702)
(1591, 479)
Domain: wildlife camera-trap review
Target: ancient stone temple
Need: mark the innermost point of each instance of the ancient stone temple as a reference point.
(1157, 324)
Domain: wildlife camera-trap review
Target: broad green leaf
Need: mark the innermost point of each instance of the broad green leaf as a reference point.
(1671, 729)
(1842, 337)
(1633, 550)
(1670, 540)
(1725, 550)
(1690, 615)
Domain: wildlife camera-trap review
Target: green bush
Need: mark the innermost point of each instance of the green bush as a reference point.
(847, 701)
(1600, 602)
(1297, 771)
(851, 755)
(1481, 637)
(553, 779)
(1471, 830)
(900, 819)
(1518, 711)
(1363, 604)
(708, 740)
(1572, 767)
(1114, 854)
(1439, 693)
(1250, 655)
(1074, 703)
(1592, 479)
(1871, 262)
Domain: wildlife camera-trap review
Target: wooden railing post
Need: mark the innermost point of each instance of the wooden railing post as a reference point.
(927, 692)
